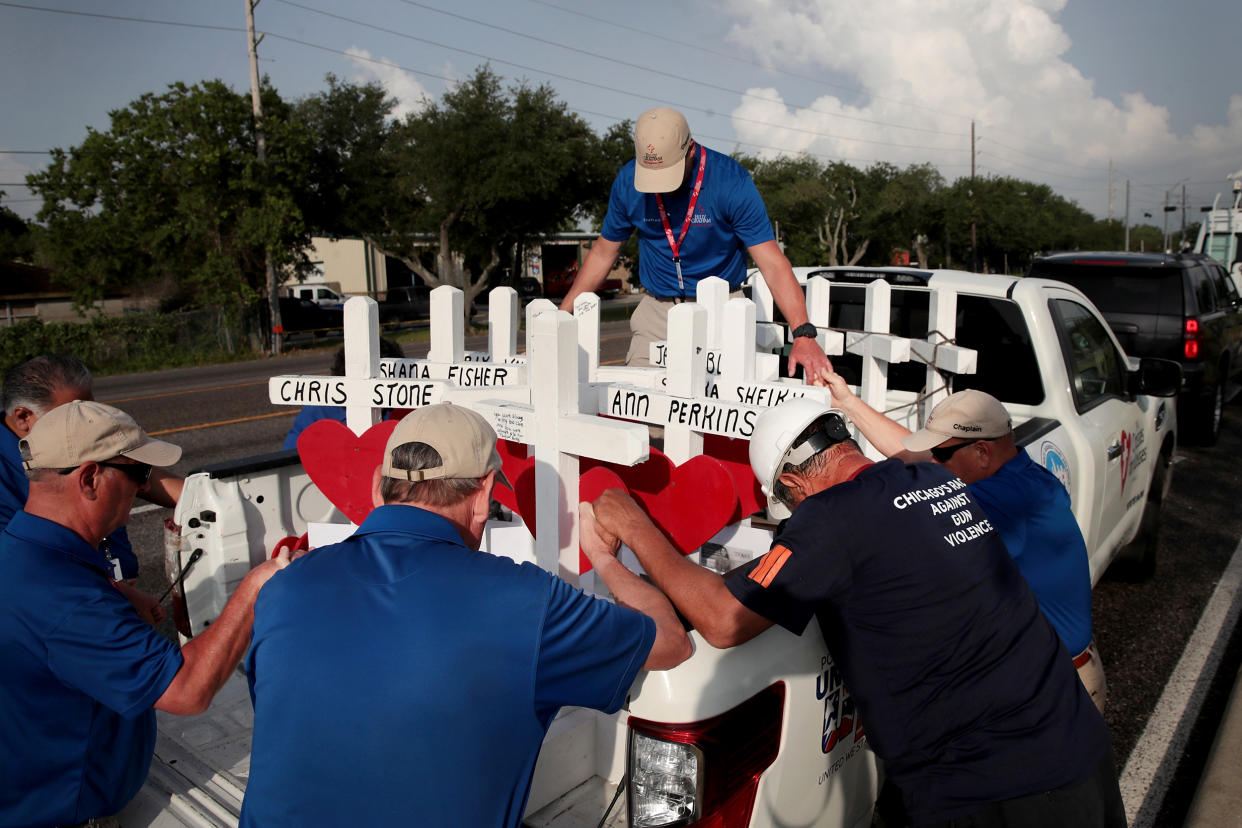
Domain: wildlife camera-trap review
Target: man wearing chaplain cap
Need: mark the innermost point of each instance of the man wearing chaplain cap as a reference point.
(970, 433)
(403, 677)
(83, 672)
(697, 214)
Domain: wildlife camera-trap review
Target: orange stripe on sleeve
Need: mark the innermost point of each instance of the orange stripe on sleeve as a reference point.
(766, 571)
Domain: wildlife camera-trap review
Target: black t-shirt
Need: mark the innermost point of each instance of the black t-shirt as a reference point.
(963, 687)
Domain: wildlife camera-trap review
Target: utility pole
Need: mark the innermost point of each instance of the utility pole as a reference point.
(1166, 221)
(1182, 243)
(1127, 215)
(273, 290)
(1110, 191)
(974, 242)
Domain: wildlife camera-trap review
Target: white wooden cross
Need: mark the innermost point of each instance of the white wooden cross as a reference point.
(544, 413)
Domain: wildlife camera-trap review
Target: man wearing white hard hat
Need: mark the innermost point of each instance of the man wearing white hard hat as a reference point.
(439, 667)
(960, 681)
(971, 434)
(84, 673)
(697, 214)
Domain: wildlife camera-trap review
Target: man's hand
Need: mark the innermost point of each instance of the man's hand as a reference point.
(615, 511)
(147, 607)
(596, 543)
(842, 396)
(807, 353)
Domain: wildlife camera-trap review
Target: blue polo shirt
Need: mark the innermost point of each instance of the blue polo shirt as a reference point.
(311, 414)
(962, 685)
(728, 218)
(81, 673)
(1031, 510)
(15, 488)
(401, 678)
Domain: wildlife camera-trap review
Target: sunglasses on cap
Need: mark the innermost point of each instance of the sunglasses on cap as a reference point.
(140, 473)
(943, 453)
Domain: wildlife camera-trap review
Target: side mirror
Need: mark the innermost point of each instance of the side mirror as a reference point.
(1156, 377)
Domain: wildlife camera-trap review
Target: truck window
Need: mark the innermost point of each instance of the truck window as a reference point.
(1120, 289)
(1092, 362)
(1201, 286)
(1007, 368)
(1225, 293)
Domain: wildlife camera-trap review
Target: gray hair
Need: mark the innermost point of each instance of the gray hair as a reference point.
(33, 384)
(811, 466)
(446, 491)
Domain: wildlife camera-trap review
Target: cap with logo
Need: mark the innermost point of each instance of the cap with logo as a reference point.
(969, 415)
(84, 431)
(464, 440)
(661, 139)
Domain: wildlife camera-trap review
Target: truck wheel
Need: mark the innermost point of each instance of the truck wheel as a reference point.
(1137, 561)
(1203, 417)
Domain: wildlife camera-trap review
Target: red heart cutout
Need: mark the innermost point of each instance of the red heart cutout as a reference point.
(341, 464)
(734, 455)
(515, 463)
(689, 503)
(591, 485)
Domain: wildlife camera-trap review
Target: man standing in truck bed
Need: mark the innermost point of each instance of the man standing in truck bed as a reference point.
(401, 677)
(697, 214)
(963, 687)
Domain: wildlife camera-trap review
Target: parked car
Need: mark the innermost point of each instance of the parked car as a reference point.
(321, 295)
(558, 282)
(405, 304)
(1176, 306)
(301, 315)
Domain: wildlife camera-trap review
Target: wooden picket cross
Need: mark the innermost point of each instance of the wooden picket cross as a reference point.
(447, 358)
(938, 351)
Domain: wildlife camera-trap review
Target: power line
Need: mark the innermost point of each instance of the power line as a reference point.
(682, 44)
(604, 87)
(121, 18)
(641, 68)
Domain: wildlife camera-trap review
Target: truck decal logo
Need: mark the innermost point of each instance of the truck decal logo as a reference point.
(1053, 459)
(1133, 455)
(765, 572)
(840, 716)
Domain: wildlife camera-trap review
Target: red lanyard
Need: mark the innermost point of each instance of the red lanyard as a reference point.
(675, 246)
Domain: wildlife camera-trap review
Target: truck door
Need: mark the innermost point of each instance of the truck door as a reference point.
(1097, 369)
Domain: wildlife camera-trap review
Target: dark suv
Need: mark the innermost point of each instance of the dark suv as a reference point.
(1176, 306)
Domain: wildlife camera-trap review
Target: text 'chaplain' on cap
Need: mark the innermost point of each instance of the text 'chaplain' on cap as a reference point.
(661, 139)
(464, 440)
(84, 431)
(969, 415)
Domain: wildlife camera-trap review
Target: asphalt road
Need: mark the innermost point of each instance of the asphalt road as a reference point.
(222, 412)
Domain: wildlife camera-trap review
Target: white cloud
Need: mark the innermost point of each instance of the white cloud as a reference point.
(410, 94)
(938, 64)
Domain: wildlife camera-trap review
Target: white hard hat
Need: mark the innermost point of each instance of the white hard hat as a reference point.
(772, 444)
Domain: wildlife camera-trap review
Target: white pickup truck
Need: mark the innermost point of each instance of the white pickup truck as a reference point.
(769, 723)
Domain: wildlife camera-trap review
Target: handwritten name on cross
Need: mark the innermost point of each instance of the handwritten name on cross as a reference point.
(544, 413)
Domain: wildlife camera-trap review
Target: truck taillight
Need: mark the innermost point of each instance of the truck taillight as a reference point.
(1191, 339)
(704, 774)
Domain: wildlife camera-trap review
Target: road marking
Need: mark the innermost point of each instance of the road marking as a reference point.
(1150, 768)
(190, 391)
(222, 423)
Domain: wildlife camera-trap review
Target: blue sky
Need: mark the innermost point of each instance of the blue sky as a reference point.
(1056, 88)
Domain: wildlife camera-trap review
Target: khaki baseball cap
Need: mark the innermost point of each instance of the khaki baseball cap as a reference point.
(465, 441)
(84, 431)
(661, 139)
(970, 415)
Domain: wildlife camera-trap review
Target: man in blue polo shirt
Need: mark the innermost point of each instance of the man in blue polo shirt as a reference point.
(971, 434)
(83, 671)
(697, 214)
(963, 687)
(31, 389)
(401, 677)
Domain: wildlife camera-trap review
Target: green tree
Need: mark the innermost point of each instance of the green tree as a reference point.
(481, 171)
(172, 195)
(16, 239)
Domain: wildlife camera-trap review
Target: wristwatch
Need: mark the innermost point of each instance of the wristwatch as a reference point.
(805, 329)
